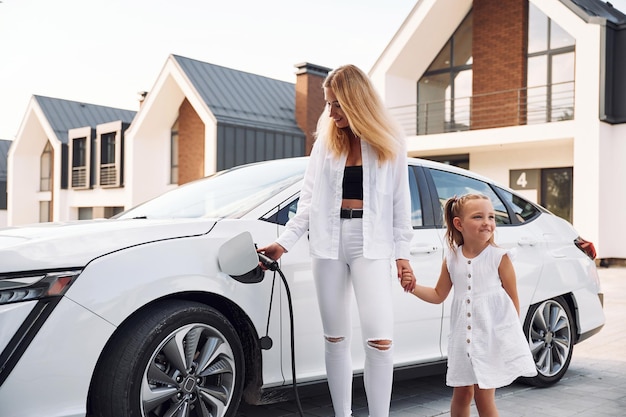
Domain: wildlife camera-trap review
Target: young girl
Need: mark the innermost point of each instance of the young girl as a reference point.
(487, 348)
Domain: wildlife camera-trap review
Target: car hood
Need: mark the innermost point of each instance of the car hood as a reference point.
(74, 244)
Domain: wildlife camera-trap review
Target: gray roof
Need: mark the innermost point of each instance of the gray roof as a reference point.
(601, 9)
(4, 153)
(237, 97)
(65, 114)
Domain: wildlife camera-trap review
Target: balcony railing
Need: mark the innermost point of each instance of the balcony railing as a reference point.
(79, 177)
(543, 104)
(108, 175)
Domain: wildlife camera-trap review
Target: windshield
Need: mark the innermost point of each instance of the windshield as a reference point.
(230, 193)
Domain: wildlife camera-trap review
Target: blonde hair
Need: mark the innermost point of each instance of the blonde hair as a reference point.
(454, 208)
(363, 107)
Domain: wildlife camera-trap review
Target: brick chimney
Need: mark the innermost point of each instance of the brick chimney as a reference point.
(309, 99)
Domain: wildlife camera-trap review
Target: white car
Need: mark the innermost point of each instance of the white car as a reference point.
(137, 315)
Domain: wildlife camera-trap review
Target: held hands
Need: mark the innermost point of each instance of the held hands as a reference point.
(405, 275)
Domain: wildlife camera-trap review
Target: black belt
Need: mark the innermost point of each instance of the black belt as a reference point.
(351, 213)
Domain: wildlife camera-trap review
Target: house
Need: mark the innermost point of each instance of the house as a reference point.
(531, 93)
(62, 149)
(4, 151)
(200, 118)
(73, 160)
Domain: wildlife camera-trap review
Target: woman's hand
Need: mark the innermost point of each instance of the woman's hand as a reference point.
(405, 275)
(273, 251)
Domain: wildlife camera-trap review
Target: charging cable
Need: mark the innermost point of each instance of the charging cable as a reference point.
(272, 265)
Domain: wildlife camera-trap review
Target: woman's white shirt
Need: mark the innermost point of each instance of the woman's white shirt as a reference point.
(387, 229)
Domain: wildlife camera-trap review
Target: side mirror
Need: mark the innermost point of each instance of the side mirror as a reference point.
(238, 258)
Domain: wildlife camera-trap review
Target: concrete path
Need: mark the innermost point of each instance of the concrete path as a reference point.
(594, 385)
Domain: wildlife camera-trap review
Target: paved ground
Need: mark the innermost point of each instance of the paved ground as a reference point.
(594, 386)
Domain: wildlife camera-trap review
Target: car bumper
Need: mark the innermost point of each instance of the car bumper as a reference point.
(53, 374)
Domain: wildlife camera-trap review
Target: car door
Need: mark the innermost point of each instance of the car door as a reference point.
(510, 233)
(417, 330)
(417, 324)
(296, 266)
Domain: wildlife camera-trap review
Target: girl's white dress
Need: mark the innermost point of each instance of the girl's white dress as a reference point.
(486, 345)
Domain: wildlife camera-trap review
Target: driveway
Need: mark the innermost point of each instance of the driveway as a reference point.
(594, 385)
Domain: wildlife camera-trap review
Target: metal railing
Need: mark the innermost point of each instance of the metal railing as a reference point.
(79, 177)
(542, 104)
(108, 175)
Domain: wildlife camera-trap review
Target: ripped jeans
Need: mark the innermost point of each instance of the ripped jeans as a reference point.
(371, 281)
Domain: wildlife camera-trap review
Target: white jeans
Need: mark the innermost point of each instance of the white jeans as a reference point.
(371, 281)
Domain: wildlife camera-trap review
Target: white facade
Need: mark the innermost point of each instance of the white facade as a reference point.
(145, 160)
(23, 180)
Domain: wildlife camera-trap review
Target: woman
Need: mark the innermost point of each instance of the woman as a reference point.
(355, 204)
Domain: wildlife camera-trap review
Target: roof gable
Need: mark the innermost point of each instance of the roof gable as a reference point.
(242, 98)
(63, 115)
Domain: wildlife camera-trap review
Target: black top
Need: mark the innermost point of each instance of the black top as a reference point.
(353, 182)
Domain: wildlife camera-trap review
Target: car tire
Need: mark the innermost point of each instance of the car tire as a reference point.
(549, 329)
(174, 356)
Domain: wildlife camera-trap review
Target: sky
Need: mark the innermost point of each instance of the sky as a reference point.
(106, 51)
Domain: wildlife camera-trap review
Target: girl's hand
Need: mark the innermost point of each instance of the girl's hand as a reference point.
(405, 275)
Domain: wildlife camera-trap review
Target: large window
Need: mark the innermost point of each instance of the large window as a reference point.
(108, 166)
(45, 169)
(551, 59)
(174, 154)
(443, 93)
(79, 162)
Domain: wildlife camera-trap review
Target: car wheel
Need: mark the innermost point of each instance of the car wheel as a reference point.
(549, 328)
(174, 358)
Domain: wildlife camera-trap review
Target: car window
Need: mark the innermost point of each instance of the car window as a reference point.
(449, 184)
(417, 219)
(285, 214)
(523, 210)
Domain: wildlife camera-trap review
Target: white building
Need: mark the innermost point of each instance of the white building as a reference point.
(78, 161)
(530, 93)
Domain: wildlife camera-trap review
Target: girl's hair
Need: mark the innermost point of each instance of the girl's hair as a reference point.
(363, 107)
(454, 208)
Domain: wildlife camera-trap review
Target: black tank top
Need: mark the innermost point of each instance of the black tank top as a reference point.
(353, 182)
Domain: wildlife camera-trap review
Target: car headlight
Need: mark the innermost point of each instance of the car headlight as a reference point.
(34, 286)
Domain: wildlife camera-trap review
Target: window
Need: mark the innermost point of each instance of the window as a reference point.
(112, 211)
(557, 191)
(285, 214)
(45, 167)
(449, 184)
(417, 219)
(522, 209)
(108, 166)
(79, 163)
(457, 160)
(44, 211)
(550, 79)
(85, 213)
(174, 154)
(445, 89)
